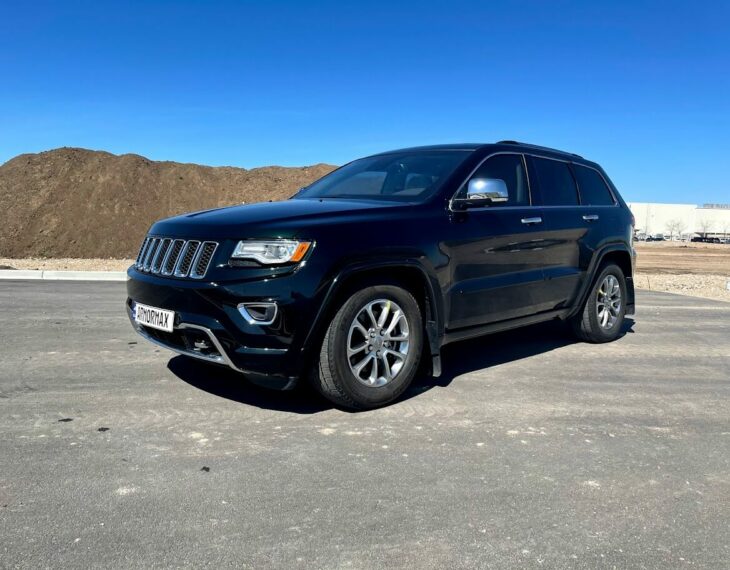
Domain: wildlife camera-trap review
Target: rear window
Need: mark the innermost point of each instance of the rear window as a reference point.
(557, 185)
(592, 187)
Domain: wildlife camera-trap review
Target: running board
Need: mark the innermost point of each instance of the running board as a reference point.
(471, 332)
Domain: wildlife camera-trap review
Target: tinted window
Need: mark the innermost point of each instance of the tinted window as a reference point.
(509, 169)
(402, 176)
(556, 182)
(593, 189)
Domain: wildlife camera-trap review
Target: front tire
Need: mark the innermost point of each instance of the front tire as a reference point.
(371, 350)
(602, 316)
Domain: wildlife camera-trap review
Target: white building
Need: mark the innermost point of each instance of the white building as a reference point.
(687, 219)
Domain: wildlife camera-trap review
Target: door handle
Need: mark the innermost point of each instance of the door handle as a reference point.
(535, 220)
(590, 218)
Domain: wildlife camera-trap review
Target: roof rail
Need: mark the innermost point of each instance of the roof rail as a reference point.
(538, 147)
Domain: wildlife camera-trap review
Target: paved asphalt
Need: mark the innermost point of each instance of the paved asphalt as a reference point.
(531, 452)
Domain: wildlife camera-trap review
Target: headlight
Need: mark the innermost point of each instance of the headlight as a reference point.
(272, 251)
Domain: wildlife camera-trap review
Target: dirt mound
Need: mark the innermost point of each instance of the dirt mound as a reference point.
(73, 202)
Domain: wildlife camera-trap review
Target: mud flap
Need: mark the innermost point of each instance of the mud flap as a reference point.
(434, 345)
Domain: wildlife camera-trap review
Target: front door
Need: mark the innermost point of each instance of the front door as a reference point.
(496, 251)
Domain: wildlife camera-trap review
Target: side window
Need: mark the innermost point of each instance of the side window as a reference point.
(593, 189)
(510, 169)
(556, 182)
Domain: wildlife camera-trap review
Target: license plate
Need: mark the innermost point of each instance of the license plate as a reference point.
(153, 317)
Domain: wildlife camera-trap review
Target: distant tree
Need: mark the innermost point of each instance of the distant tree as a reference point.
(675, 227)
(705, 226)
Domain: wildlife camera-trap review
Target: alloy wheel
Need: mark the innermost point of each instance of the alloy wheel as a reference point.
(378, 342)
(608, 302)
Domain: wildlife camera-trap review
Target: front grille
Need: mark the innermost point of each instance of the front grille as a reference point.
(206, 254)
(160, 255)
(175, 257)
(186, 259)
(169, 264)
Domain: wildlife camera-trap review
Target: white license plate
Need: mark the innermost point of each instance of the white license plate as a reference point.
(153, 317)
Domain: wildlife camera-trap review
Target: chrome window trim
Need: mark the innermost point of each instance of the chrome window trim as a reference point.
(573, 162)
(529, 184)
(485, 159)
(580, 206)
(572, 175)
(608, 186)
(527, 176)
(500, 208)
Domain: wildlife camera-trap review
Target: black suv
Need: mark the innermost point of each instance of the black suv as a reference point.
(362, 277)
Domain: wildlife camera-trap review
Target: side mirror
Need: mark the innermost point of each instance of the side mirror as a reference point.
(484, 192)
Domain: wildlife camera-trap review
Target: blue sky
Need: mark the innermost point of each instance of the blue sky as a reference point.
(641, 87)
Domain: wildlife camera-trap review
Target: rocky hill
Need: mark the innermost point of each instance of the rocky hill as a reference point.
(73, 202)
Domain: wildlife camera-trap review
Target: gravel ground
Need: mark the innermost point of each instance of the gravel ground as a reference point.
(706, 286)
(531, 451)
(712, 286)
(66, 264)
(677, 258)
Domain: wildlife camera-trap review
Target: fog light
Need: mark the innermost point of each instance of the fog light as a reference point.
(258, 313)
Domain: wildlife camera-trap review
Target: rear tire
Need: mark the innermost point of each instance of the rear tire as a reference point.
(602, 316)
(371, 350)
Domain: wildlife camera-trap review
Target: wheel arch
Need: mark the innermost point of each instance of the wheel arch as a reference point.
(620, 254)
(410, 275)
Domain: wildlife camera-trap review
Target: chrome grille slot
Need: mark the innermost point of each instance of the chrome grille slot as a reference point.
(175, 257)
(171, 261)
(151, 250)
(204, 257)
(142, 251)
(186, 258)
(161, 255)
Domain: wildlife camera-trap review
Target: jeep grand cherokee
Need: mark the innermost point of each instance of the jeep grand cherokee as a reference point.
(369, 271)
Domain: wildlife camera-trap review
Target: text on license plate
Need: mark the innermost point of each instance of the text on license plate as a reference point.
(153, 317)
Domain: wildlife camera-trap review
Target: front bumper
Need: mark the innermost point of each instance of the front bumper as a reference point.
(209, 327)
(181, 340)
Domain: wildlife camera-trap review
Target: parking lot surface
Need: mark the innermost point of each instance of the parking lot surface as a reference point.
(532, 451)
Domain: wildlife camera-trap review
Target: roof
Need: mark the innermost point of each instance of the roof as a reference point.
(529, 146)
(462, 146)
(514, 145)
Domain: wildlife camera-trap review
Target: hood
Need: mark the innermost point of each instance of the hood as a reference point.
(287, 214)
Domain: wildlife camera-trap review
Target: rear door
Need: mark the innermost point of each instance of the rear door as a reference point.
(601, 214)
(564, 259)
(495, 252)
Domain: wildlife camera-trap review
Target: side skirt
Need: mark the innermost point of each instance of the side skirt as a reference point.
(471, 332)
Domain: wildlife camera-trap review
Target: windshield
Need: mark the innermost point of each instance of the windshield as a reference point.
(402, 176)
